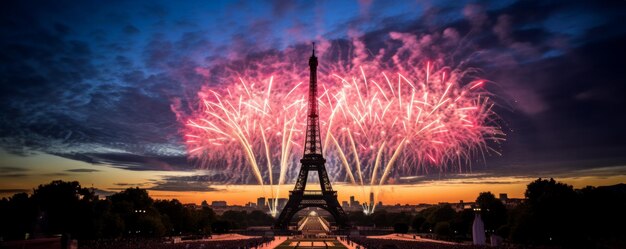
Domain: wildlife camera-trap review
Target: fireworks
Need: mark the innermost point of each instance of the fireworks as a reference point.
(379, 119)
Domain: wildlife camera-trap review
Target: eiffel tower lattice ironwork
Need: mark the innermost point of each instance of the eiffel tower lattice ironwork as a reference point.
(312, 160)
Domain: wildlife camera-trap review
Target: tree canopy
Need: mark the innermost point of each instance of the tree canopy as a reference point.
(63, 207)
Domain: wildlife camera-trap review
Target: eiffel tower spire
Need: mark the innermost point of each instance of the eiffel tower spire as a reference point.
(313, 143)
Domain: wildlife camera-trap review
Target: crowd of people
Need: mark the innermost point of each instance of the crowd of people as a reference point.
(367, 243)
(140, 243)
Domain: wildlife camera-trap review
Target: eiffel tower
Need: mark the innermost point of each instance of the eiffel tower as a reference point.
(312, 160)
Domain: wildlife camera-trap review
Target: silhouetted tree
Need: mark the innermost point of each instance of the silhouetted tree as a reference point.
(175, 217)
(64, 207)
(400, 217)
(220, 226)
(136, 208)
(493, 212)
(400, 228)
(548, 216)
(206, 216)
(462, 224)
(18, 215)
(204, 204)
(442, 229)
(360, 219)
(417, 222)
(602, 215)
(235, 218)
(259, 218)
(441, 213)
(380, 219)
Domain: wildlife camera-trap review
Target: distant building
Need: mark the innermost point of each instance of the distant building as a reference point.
(504, 197)
(371, 199)
(218, 204)
(204, 204)
(345, 204)
(260, 202)
(191, 206)
(354, 203)
(510, 202)
(462, 205)
(513, 202)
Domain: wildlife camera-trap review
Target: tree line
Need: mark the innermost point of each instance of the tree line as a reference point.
(62, 207)
(552, 214)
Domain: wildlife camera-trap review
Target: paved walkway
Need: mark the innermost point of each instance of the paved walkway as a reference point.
(409, 237)
(337, 243)
(218, 237)
(312, 243)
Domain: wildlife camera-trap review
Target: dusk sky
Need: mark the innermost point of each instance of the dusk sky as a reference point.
(88, 89)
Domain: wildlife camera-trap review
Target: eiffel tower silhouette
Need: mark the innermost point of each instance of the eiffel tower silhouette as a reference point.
(312, 160)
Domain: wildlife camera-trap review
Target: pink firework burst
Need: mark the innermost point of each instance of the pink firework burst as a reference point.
(382, 116)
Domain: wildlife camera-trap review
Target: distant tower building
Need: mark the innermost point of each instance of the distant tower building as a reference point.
(371, 198)
(352, 202)
(504, 198)
(260, 202)
(345, 204)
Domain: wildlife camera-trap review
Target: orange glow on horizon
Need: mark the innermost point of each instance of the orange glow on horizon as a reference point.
(432, 192)
(43, 169)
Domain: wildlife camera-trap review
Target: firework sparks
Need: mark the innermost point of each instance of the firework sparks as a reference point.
(379, 119)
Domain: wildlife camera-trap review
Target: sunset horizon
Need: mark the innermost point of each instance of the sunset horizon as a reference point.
(447, 188)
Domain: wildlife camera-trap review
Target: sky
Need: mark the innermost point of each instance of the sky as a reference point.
(87, 87)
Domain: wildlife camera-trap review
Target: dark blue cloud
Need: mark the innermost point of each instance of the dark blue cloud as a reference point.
(13, 172)
(197, 183)
(82, 170)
